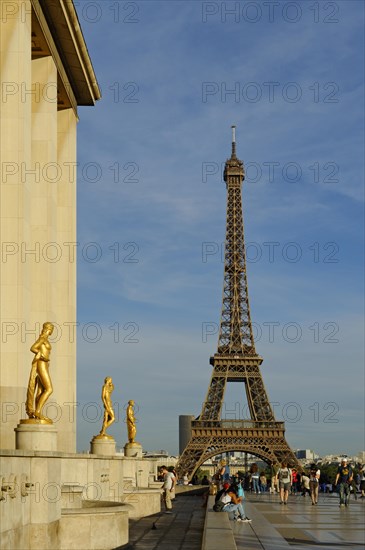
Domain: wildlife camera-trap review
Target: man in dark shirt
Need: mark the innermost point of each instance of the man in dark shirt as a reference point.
(344, 477)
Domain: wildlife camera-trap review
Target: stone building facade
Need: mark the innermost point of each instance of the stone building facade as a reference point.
(46, 73)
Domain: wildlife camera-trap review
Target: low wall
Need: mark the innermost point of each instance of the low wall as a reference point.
(143, 502)
(217, 533)
(191, 489)
(39, 486)
(93, 528)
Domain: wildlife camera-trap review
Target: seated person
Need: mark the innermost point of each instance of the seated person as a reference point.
(228, 501)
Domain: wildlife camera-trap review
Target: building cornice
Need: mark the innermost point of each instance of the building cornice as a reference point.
(66, 35)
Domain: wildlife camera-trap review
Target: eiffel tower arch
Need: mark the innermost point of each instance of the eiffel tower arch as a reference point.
(236, 359)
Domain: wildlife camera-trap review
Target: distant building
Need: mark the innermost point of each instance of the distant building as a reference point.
(156, 454)
(307, 454)
(336, 458)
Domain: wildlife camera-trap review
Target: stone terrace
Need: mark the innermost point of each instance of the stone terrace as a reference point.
(299, 525)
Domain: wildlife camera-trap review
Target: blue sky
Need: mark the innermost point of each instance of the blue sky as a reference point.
(175, 76)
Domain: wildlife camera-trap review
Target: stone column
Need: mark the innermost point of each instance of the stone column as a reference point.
(43, 195)
(64, 279)
(15, 137)
(42, 247)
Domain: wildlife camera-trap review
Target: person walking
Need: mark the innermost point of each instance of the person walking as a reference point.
(362, 481)
(168, 487)
(172, 470)
(314, 476)
(305, 484)
(294, 473)
(263, 482)
(255, 477)
(284, 477)
(344, 478)
(298, 484)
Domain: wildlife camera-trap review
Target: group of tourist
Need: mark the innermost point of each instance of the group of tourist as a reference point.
(308, 482)
(286, 481)
(230, 492)
(343, 482)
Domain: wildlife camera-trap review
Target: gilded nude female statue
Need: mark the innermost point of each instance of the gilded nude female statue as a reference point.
(109, 415)
(40, 386)
(131, 422)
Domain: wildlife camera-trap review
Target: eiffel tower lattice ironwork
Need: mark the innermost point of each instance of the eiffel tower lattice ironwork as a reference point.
(236, 359)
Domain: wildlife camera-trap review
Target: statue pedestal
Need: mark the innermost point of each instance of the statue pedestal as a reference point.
(133, 450)
(35, 435)
(102, 445)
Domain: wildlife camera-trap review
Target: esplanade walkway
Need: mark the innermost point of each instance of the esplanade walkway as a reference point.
(297, 526)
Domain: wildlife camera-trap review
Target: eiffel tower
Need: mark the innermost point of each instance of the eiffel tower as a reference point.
(236, 359)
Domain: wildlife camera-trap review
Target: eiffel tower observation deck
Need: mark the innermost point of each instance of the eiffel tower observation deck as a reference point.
(236, 359)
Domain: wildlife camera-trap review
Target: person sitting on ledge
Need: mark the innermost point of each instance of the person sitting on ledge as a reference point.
(227, 501)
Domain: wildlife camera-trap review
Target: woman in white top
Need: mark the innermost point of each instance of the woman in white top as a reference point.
(233, 503)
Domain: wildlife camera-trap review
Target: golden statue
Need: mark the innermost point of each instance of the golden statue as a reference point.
(109, 415)
(40, 385)
(131, 422)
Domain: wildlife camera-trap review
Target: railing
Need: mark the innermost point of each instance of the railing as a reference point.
(238, 424)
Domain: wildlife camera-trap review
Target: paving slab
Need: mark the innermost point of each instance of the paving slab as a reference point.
(218, 533)
(180, 530)
(299, 525)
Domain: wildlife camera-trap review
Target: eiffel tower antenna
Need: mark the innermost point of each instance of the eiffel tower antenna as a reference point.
(236, 359)
(233, 140)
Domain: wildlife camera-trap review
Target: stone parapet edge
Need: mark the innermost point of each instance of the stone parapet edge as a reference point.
(217, 533)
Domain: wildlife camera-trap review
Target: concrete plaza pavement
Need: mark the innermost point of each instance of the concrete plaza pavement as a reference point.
(182, 529)
(299, 525)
